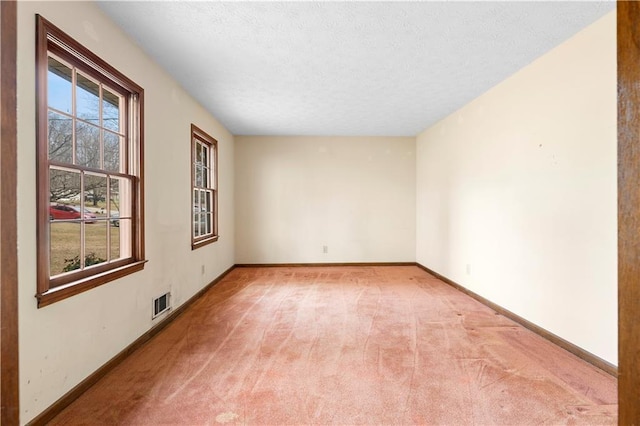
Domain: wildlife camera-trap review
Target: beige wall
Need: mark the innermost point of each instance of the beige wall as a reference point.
(513, 197)
(516, 192)
(355, 195)
(61, 344)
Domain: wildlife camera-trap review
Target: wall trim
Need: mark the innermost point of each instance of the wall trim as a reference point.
(628, 14)
(556, 340)
(57, 407)
(321, 264)
(9, 356)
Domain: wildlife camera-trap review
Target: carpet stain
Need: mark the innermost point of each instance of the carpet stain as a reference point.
(226, 417)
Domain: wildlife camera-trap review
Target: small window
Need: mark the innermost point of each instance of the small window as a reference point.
(204, 188)
(89, 144)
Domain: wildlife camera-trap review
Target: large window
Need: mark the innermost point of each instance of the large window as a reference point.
(90, 200)
(204, 198)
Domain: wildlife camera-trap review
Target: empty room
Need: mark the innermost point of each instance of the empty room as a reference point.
(319, 213)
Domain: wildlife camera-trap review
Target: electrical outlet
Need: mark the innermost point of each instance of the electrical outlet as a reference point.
(325, 249)
(468, 269)
(202, 270)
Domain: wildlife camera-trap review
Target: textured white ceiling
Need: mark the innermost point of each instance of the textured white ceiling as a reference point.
(345, 68)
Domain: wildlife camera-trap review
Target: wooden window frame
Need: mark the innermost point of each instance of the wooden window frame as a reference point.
(50, 39)
(199, 135)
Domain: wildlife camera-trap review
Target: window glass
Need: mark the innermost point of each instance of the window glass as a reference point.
(95, 193)
(112, 143)
(96, 250)
(60, 137)
(87, 145)
(87, 99)
(64, 185)
(65, 246)
(111, 104)
(59, 86)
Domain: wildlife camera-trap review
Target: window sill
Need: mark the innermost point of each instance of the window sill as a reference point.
(57, 294)
(201, 243)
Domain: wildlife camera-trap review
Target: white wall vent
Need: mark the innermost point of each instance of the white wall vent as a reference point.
(161, 305)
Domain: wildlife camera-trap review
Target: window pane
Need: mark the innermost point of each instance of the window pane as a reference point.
(59, 86)
(196, 224)
(196, 212)
(65, 247)
(205, 151)
(95, 243)
(114, 200)
(205, 177)
(119, 218)
(114, 229)
(212, 170)
(111, 106)
(60, 135)
(209, 223)
(121, 197)
(95, 193)
(64, 186)
(124, 229)
(87, 145)
(87, 99)
(198, 176)
(198, 153)
(111, 152)
(203, 201)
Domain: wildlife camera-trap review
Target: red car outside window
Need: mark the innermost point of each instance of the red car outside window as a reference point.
(62, 212)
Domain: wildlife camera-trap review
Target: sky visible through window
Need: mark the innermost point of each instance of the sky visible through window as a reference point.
(60, 96)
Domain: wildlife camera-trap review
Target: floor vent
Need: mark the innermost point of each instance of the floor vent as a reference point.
(161, 305)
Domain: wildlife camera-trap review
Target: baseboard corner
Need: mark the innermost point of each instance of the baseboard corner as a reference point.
(586, 356)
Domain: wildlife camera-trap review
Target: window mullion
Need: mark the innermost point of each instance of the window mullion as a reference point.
(82, 223)
(130, 124)
(108, 210)
(101, 126)
(74, 142)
